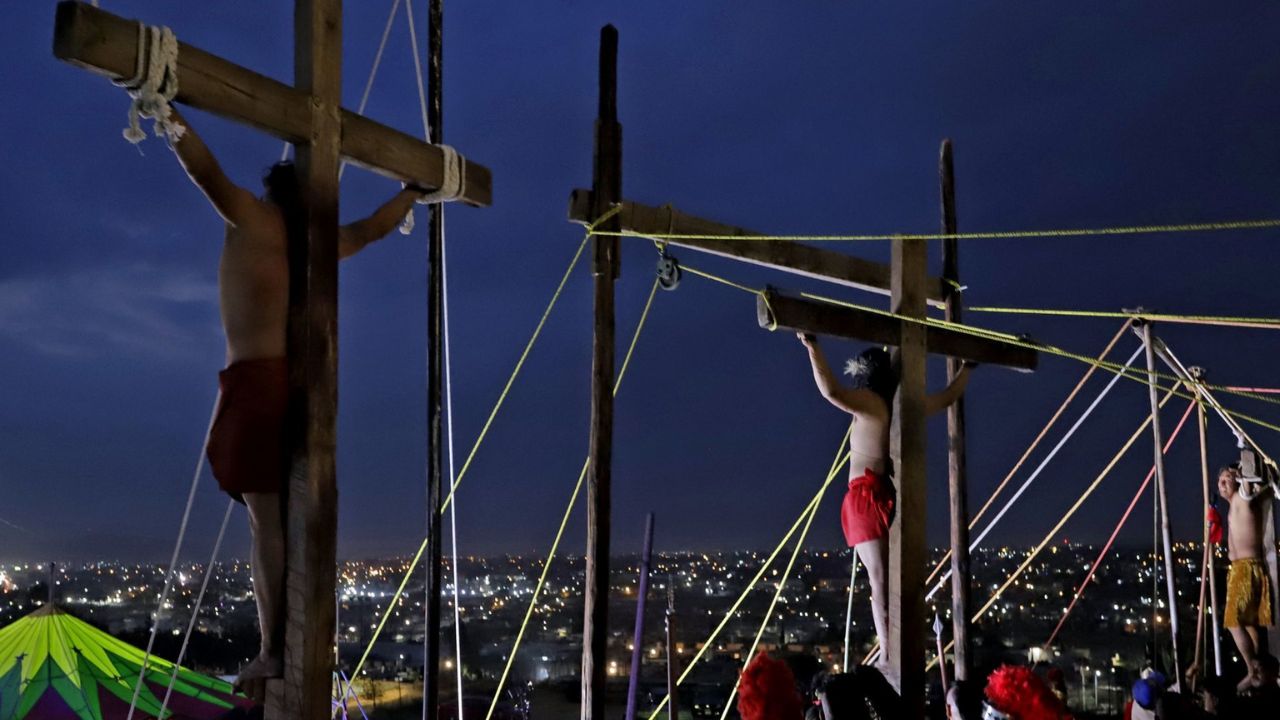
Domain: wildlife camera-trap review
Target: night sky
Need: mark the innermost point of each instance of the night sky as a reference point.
(783, 117)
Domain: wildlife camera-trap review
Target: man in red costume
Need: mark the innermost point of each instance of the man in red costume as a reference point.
(868, 507)
(246, 446)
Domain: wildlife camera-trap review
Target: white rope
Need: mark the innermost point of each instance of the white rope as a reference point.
(848, 612)
(1039, 468)
(173, 561)
(154, 85)
(195, 611)
(453, 506)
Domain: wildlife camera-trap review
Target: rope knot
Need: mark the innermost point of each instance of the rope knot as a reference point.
(154, 85)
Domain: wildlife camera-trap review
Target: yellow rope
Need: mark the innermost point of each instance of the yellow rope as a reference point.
(768, 614)
(1163, 317)
(997, 235)
(422, 547)
(843, 458)
(515, 372)
(1063, 521)
(1130, 373)
(573, 499)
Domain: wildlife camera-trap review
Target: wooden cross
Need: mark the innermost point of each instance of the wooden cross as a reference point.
(907, 556)
(910, 290)
(309, 115)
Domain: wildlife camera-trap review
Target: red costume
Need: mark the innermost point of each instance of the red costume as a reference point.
(867, 510)
(246, 444)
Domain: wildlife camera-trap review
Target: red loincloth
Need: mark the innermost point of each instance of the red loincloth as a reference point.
(867, 510)
(246, 445)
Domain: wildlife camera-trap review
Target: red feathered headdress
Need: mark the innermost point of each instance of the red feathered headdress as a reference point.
(767, 691)
(1020, 694)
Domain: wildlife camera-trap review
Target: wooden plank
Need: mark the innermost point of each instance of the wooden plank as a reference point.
(107, 44)
(907, 552)
(957, 479)
(792, 257)
(431, 680)
(786, 312)
(312, 514)
(606, 184)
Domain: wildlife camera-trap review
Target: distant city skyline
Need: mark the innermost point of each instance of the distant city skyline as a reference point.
(784, 117)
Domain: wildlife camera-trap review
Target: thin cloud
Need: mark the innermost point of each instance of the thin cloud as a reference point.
(135, 309)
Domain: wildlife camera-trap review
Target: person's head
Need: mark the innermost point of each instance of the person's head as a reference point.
(1213, 691)
(281, 184)
(1017, 693)
(1148, 689)
(1228, 481)
(873, 369)
(767, 691)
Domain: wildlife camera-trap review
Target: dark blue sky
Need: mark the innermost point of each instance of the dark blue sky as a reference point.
(786, 117)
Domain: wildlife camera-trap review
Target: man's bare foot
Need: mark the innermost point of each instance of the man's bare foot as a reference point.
(1252, 679)
(260, 668)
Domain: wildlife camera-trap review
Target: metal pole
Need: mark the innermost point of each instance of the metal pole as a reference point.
(642, 593)
(848, 611)
(1216, 635)
(435, 374)
(673, 663)
(1166, 539)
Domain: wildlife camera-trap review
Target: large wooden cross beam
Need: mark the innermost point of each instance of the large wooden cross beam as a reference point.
(787, 256)
(310, 115)
(107, 44)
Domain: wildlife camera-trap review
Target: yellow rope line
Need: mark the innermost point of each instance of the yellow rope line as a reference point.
(1270, 323)
(542, 579)
(996, 235)
(1063, 521)
(843, 458)
(768, 614)
(1130, 373)
(515, 372)
(422, 547)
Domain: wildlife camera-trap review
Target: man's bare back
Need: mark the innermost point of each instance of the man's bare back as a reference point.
(253, 286)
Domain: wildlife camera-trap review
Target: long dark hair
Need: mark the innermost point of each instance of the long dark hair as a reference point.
(873, 369)
(285, 192)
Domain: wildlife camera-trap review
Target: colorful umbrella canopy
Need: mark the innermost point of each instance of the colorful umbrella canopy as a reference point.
(54, 666)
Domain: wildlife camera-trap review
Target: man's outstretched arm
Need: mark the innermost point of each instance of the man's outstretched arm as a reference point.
(938, 402)
(232, 202)
(851, 400)
(354, 237)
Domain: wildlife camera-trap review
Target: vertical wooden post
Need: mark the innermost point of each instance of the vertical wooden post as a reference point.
(312, 507)
(642, 595)
(1216, 637)
(907, 447)
(606, 187)
(435, 373)
(1162, 494)
(958, 481)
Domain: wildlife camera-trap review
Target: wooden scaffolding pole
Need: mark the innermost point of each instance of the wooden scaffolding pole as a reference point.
(606, 188)
(1162, 494)
(435, 373)
(957, 480)
(906, 630)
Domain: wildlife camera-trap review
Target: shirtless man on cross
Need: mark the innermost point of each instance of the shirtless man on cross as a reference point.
(1249, 593)
(246, 445)
(868, 507)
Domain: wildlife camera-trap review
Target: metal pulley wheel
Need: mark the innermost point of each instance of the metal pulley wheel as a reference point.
(668, 272)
